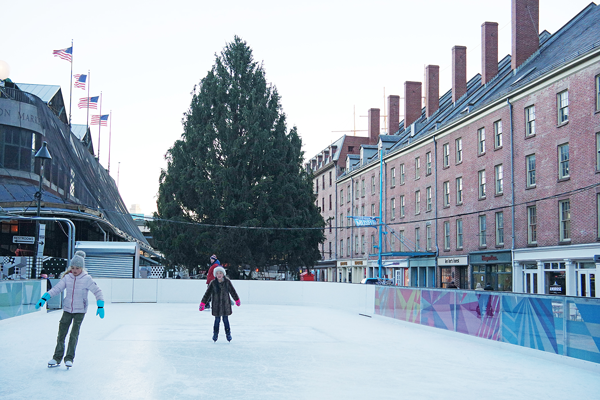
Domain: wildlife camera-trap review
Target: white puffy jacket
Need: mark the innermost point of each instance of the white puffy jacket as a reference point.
(76, 293)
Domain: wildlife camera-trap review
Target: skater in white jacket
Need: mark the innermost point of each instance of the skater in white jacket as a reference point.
(76, 282)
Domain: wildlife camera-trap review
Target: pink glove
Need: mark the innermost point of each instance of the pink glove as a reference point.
(201, 308)
(237, 302)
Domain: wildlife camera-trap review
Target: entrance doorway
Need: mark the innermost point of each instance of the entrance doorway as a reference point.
(586, 283)
(531, 282)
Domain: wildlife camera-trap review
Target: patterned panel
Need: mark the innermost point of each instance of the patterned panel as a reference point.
(18, 298)
(384, 301)
(408, 305)
(583, 327)
(529, 322)
(438, 308)
(478, 315)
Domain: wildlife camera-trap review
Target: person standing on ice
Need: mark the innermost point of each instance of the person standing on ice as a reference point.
(210, 276)
(219, 290)
(77, 283)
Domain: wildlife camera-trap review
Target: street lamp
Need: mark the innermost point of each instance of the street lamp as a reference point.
(42, 155)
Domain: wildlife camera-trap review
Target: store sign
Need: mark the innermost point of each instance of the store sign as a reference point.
(449, 261)
(358, 263)
(24, 239)
(555, 289)
(342, 263)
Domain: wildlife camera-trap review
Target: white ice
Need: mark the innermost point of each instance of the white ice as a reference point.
(165, 351)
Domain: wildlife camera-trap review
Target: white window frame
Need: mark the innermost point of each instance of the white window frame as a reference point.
(459, 190)
(498, 134)
(459, 234)
(530, 121)
(481, 141)
(446, 194)
(417, 168)
(428, 163)
(532, 224)
(530, 168)
(446, 235)
(481, 183)
(402, 173)
(482, 220)
(393, 208)
(393, 177)
(563, 161)
(458, 150)
(402, 205)
(562, 100)
(417, 202)
(373, 185)
(417, 239)
(499, 178)
(429, 199)
(499, 228)
(428, 241)
(446, 153)
(564, 217)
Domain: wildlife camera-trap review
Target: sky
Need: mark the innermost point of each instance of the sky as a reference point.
(330, 60)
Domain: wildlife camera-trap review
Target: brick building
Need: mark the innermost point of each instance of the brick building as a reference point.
(496, 181)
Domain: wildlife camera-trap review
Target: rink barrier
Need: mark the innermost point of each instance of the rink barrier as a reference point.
(568, 326)
(18, 297)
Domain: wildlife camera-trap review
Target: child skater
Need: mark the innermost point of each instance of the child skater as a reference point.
(77, 283)
(219, 290)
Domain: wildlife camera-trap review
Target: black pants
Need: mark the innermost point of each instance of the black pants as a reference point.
(63, 328)
(218, 322)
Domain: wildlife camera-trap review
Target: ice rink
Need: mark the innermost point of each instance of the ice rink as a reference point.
(165, 351)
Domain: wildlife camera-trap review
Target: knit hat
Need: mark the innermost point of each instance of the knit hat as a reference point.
(78, 259)
(219, 268)
(213, 257)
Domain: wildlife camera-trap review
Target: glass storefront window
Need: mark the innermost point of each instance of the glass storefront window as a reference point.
(555, 282)
(499, 276)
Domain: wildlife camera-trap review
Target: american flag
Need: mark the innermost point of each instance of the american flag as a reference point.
(80, 80)
(103, 119)
(65, 54)
(88, 102)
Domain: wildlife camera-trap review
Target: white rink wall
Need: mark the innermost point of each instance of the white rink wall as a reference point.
(349, 297)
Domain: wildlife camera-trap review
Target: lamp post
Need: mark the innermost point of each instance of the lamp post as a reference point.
(42, 155)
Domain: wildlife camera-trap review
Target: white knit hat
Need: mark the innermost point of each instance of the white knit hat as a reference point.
(217, 269)
(78, 259)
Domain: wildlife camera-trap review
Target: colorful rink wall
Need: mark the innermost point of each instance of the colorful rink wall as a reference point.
(568, 326)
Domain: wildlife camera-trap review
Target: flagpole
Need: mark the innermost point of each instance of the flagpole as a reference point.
(71, 89)
(87, 120)
(99, 127)
(109, 137)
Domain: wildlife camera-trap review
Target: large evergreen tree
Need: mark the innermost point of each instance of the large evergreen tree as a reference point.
(235, 171)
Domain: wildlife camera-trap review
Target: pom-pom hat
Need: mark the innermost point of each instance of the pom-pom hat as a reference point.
(213, 257)
(78, 259)
(219, 268)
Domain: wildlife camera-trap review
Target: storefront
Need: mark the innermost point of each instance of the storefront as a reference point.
(350, 271)
(395, 269)
(559, 270)
(454, 269)
(422, 272)
(493, 268)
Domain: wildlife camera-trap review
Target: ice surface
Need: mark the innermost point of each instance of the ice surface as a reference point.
(165, 351)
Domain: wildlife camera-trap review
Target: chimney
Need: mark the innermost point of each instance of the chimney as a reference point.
(393, 114)
(373, 125)
(489, 53)
(432, 89)
(459, 72)
(525, 30)
(412, 102)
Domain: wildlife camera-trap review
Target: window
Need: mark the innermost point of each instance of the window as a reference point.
(597, 151)
(428, 237)
(499, 228)
(373, 210)
(446, 151)
(563, 107)
(564, 208)
(357, 191)
(348, 249)
(532, 225)
(362, 210)
(341, 220)
(323, 204)
(498, 134)
(499, 178)
(349, 194)
(530, 121)
(530, 165)
(563, 161)
(356, 244)
(342, 247)
(393, 207)
(330, 182)
(418, 202)
(373, 244)
(446, 194)
(393, 177)
(341, 195)
(17, 151)
(481, 141)
(402, 206)
(482, 231)
(482, 184)
(329, 249)
(429, 199)
(372, 185)
(392, 242)
(598, 93)
(417, 168)
(362, 188)
(401, 237)
(402, 174)
(446, 235)
(428, 162)
(330, 203)
(459, 190)
(417, 239)
(458, 146)
(459, 234)
(362, 244)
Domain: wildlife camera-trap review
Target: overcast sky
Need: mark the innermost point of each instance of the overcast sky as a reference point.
(326, 58)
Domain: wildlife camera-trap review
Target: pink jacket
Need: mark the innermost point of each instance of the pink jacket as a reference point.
(76, 294)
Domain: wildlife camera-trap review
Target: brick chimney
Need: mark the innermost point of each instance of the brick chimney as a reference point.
(432, 89)
(525, 17)
(412, 102)
(489, 52)
(374, 125)
(459, 72)
(393, 120)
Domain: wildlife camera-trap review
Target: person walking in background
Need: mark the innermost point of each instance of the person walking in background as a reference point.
(210, 276)
(219, 290)
(77, 283)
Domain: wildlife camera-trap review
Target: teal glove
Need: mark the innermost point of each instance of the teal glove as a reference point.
(43, 300)
(100, 311)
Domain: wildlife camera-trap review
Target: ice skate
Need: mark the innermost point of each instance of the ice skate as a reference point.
(215, 335)
(228, 336)
(53, 363)
(68, 364)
